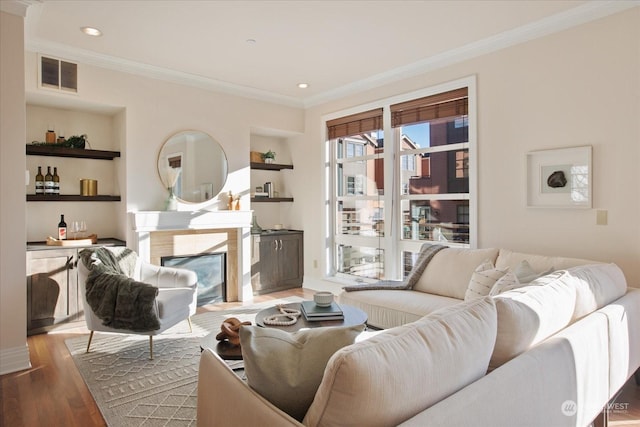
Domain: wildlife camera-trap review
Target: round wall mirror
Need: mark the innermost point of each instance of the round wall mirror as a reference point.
(194, 164)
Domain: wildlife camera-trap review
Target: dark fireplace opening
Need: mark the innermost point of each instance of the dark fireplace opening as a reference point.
(211, 270)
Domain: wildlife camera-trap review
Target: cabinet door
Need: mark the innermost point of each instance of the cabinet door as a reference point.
(52, 292)
(268, 263)
(290, 259)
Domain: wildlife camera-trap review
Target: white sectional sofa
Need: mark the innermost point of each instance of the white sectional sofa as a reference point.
(550, 353)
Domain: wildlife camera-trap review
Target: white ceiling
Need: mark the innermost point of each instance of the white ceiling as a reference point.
(337, 47)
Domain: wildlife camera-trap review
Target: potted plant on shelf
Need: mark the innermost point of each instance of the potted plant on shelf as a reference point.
(269, 156)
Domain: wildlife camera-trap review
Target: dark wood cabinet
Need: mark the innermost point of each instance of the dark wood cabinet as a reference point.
(277, 261)
(52, 289)
(53, 297)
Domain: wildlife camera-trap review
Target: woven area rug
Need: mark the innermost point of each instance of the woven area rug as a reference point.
(132, 390)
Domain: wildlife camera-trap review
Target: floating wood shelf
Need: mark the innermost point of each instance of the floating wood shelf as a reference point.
(269, 166)
(71, 198)
(79, 153)
(271, 199)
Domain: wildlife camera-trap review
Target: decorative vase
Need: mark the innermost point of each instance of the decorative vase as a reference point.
(255, 228)
(172, 202)
(269, 160)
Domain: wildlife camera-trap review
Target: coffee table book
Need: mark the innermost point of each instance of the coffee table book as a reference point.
(313, 312)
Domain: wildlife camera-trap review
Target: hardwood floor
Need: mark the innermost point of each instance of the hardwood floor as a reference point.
(52, 392)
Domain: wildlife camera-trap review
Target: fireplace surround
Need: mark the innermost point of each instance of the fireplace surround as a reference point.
(157, 234)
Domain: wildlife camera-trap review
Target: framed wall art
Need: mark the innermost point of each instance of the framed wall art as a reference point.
(559, 178)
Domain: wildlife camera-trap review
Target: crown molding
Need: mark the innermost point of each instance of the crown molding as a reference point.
(582, 14)
(17, 7)
(132, 67)
(589, 11)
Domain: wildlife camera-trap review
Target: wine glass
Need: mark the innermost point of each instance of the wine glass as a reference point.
(82, 227)
(74, 227)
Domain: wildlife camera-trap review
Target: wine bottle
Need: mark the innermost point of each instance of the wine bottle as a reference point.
(39, 181)
(62, 229)
(48, 182)
(56, 182)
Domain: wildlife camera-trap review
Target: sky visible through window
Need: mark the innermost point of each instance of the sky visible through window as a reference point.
(418, 133)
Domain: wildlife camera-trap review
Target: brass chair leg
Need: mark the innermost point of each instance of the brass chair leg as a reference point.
(150, 347)
(190, 325)
(89, 343)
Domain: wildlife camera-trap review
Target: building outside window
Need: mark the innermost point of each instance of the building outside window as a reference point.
(407, 183)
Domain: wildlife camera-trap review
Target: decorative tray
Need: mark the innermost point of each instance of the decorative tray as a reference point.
(92, 239)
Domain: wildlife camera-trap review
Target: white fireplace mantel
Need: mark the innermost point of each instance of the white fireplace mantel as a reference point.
(143, 223)
(146, 221)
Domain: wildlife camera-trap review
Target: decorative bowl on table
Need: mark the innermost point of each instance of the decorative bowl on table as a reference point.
(323, 298)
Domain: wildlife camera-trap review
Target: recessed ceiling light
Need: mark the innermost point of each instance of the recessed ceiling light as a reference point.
(91, 31)
(303, 85)
(250, 41)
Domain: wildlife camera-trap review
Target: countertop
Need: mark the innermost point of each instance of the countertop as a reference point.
(42, 246)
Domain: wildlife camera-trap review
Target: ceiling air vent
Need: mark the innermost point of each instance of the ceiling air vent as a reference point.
(58, 74)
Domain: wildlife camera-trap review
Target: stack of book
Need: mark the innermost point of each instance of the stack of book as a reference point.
(315, 313)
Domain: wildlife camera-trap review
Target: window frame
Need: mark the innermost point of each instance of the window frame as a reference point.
(393, 243)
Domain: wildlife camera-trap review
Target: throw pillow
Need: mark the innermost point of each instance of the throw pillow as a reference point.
(482, 280)
(400, 372)
(286, 368)
(505, 283)
(530, 314)
(525, 273)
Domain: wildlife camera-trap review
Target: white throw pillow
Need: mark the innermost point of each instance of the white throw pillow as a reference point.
(530, 314)
(400, 372)
(286, 368)
(506, 283)
(482, 280)
(597, 285)
(525, 273)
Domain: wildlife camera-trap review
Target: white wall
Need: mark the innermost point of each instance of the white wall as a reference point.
(577, 87)
(101, 131)
(13, 305)
(154, 110)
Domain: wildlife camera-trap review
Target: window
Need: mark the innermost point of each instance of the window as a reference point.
(414, 187)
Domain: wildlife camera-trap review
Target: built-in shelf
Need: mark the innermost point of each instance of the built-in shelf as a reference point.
(79, 153)
(71, 198)
(271, 199)
(269, 166)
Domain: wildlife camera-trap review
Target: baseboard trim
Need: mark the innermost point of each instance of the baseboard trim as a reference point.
(14, 359)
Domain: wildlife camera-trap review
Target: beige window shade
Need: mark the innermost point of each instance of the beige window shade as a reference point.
(446, 104)
(355, 124)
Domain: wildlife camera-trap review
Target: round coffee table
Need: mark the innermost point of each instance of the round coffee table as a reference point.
(352, 316)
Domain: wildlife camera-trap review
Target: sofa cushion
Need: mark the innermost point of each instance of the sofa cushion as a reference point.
(390, 308)
(596, 286)
(402, 371)
(286, 368)
(482, 280)
(530, 314)
(539, 263)
(449, 272)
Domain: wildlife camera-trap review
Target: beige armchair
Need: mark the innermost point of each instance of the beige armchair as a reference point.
(175, 301)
